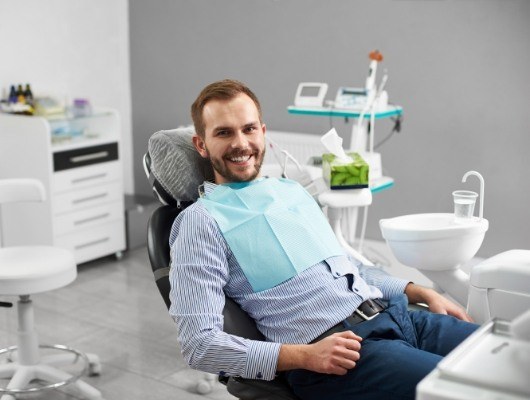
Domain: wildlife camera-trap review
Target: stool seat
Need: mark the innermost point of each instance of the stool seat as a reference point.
(27, 270)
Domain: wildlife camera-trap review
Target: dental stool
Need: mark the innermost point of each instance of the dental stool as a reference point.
(27, 270)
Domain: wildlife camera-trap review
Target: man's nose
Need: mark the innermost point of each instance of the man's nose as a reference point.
(240, 141)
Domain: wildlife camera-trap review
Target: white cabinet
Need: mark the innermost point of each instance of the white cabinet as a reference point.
(78, 161)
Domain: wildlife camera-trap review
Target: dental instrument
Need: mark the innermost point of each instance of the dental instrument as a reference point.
(350, 98)
(304, 174)
(310, 94)
(358, 103)
(375, 57)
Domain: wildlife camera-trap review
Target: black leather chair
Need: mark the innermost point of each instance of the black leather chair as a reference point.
(236, 321)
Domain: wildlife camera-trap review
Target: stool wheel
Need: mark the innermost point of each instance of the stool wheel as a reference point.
(94, 369)
(205, 385)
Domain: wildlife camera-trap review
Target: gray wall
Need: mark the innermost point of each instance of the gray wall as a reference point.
(459, 69)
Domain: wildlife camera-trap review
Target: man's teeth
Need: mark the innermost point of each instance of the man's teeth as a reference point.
(240, 159)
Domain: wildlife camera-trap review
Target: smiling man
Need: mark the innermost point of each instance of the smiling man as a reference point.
(339, 329)
(236, 142)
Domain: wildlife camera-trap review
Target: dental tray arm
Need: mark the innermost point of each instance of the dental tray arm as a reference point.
(338, 200)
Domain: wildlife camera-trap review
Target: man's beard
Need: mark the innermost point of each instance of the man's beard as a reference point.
(220, 167)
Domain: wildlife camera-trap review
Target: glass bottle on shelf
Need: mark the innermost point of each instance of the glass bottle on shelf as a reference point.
(28, 94)
(12, 95)
(20, 95)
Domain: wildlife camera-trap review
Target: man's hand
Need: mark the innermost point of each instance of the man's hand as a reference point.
(436, 302)
(335, 354)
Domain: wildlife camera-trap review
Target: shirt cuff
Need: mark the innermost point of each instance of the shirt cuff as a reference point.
(392, 286)
(262, 360)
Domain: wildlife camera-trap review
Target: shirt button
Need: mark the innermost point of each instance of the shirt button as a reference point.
(259, 375)
(337, 273)
(356, 289)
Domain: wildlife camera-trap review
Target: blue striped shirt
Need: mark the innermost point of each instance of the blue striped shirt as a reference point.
(204, 271)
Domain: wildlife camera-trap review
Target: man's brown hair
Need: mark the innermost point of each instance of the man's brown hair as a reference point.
(226, 89)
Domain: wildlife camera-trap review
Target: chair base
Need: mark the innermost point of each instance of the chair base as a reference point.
(45, 370)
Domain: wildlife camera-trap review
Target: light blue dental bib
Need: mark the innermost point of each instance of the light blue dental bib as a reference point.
(274, 228)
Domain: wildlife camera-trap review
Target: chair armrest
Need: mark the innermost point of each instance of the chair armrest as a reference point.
(508, 271)
(254, 389)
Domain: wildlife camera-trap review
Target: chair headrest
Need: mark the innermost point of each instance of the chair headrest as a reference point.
(175, 166)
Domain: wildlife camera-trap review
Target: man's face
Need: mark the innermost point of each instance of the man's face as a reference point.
(234, 139)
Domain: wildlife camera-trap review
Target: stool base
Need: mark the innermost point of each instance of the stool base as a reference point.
(45, 370)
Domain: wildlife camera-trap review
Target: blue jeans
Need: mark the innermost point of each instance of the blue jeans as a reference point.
(399, 348)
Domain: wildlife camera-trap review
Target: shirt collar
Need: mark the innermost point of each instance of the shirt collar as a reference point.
(208, 187)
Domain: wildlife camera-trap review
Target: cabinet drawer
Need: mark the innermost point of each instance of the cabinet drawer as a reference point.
(95, 242)
(75, 158)
(86, 176)
(87, 218)
(88, 197)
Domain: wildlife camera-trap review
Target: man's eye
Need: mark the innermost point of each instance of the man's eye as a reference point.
(250, 129)
(222, 133)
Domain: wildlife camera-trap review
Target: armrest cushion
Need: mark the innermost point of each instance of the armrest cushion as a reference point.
(509, 270)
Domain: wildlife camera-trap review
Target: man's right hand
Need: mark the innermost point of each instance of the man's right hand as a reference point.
(335, 354)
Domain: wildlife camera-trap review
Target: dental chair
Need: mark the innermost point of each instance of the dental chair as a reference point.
(175, 170)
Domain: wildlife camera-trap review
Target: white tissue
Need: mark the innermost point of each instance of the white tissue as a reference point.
(333, 143)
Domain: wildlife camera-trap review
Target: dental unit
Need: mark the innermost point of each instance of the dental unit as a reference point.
(438, 244)
(494, 363)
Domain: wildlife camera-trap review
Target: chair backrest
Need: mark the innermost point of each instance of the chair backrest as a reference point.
(20, 190)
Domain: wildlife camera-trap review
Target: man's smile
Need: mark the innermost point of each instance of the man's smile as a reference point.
(240, 159)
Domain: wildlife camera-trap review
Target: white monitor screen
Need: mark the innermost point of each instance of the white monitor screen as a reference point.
(310, 91)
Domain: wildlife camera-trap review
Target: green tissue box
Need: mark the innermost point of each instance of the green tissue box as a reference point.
(338, 175)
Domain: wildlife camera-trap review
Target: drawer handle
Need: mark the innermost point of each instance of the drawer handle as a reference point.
(89, 198)
(93, 243)
(88, 178)
(87, 157)
(94, 218)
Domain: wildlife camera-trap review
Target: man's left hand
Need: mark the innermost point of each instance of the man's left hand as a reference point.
(435, 301)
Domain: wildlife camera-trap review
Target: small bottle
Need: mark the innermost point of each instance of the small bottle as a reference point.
(81, 108)
(28, 94)
(12, 95)
(20, 95)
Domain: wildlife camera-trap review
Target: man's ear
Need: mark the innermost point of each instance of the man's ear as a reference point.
(199, 144)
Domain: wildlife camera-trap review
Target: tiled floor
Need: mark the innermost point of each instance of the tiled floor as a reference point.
(114, 310)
